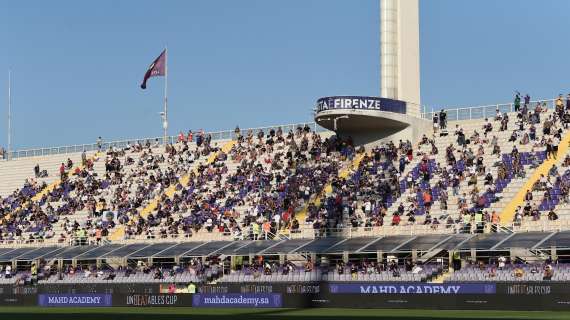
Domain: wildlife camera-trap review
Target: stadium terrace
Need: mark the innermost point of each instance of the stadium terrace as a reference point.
(379, 203)
(465, 206)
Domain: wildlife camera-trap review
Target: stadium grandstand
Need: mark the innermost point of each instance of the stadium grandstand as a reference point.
(382, 198)
(294, 203)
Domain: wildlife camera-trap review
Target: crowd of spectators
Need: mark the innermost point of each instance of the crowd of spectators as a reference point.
(260, 185)
(501, 268)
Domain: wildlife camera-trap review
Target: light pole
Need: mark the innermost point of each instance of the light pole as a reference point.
(164, 122)
(9, 155)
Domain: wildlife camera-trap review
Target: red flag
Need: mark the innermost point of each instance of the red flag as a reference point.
(156, 69)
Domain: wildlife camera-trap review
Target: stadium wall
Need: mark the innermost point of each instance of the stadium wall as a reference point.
(396, 295)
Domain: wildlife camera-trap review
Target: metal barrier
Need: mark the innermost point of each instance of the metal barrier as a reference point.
(216, 135)
(307, 232)
(453, 114)
(482, 112)
(384, 231)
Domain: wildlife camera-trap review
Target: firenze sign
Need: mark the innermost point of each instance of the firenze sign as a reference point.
(414, 288)
(360, 103)
(75, 300)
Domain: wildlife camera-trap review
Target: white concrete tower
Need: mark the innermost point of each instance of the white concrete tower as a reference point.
(400, 52)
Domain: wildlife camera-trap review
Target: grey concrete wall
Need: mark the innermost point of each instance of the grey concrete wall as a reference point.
(372, 127)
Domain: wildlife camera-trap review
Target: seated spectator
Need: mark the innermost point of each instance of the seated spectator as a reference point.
(489, 178)
(396, 272)
(553, 172)
(502, 261)
(525, 139)
(518, 272)
(158, 274)
(354, 271)
(340, 267)
(288, 267)
(566, 161)
(416, 269)
(552, 215)
(309, 265)
(548, 272)
(498, 115)
(8, 271)
(111, 276)
(487, 127)
(395, 219)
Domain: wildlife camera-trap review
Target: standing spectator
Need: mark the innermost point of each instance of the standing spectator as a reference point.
(98, 235)
(555, 143)
(495, 218)
(34, 272)
(99, 143)
(559, 103)
(181, 137)
(199, 139)
(517, 101)
(37, 170)
(62, 171)
(237, 133)
(443, 119)
(435, 122)
(528, 195)
(549, 151)
(83, 159)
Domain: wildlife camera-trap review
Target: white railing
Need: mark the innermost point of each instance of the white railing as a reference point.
(216, 135)
(307, 232)
(20, 243)
(384, 231)
(482, 112)
(453, 114)
(543, 225)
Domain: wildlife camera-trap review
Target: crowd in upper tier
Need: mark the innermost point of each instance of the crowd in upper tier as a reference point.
(269, 182)
(453, 179)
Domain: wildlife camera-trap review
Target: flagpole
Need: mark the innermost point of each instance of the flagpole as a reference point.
(8, 156)
(165, 124)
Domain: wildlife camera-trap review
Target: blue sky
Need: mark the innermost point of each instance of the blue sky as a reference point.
(77, 65)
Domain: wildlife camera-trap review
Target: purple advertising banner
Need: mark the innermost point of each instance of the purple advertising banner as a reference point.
(414, 288)
(237, 300)
(75, 300)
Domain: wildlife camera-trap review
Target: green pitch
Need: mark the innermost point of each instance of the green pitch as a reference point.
(124, 313)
